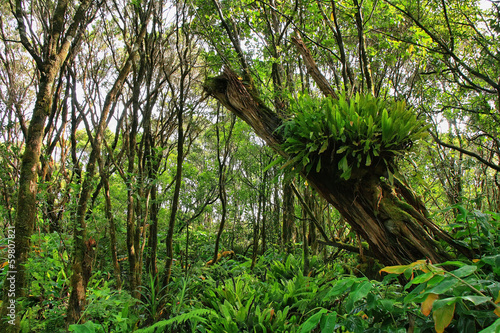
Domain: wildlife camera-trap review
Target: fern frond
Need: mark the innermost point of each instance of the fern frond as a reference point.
(194, 315)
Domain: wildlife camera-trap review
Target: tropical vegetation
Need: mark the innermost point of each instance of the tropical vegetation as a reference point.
(249, 166)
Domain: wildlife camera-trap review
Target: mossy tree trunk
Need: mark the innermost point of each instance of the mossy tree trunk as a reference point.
(26, 202)
(81, 266)
(224, 166)
(63, 35)
(288, 216)
(387, 216)
(112, 226)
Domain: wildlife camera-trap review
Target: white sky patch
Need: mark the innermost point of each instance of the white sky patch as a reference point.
(485, 4)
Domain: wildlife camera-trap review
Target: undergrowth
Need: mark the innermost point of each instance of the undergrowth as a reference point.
(277, 297)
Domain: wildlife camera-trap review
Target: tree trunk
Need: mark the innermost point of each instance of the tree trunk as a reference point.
(305, 246)
(393, 225)
(222, 157)
(264, 213)
(151, 266)
(363, 57)
(112, 229)
(20, 234)
(49, 66)
(223, 201)
(288, 216)
(79, 279)
(132, 190)
(311, 236)
(256, 229)
(175, 199)
(276, 225)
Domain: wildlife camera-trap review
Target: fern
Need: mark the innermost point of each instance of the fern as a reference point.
(354, 136)
(196, 315)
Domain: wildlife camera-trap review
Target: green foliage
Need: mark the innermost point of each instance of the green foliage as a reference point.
(476, 229)
(277, 297)
(152, 296)
(461, 298)
(194, 316)
(48, 281)
(352, 135)
(111, 309)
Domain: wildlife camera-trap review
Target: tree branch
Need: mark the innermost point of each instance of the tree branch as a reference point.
(312, 68)
(466, 152)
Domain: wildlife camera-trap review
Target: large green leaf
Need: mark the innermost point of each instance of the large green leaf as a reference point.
(339, 288)
(312, 322)
(464, 271)
(357, 294)
(328, 322)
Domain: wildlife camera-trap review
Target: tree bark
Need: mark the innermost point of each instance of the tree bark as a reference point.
(312, 68)
(222, 157)
(175, 198)
(396, 231)
(132, 186)
(288, 216)
(49, 66)
(151, 266)
(112, 230)
(256, 230)
(263, 193)
(305, 246)
(79, 279)
(367, 73)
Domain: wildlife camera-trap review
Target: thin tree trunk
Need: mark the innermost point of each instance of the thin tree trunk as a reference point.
(367, 73)
(264, 214)
(175, 199)
(311, 236)
(222, 185)
(335, 27)
(223, 201)
(276, 228)
(288, 216)
(151, 266)
(80, 275)
(222, 158)
(183, 44)
(305, 247)
(132, 187)
(256, 229)
(112, 230)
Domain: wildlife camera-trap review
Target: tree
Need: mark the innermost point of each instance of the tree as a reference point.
(470, 91)
(224, 165)
(414, 233)
(82, 258)
(182, 86)
(51, 54)
(365, 201)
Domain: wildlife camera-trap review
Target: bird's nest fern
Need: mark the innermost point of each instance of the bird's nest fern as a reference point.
(350, 137)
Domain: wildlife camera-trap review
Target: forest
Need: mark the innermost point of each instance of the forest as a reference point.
(250, 166)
